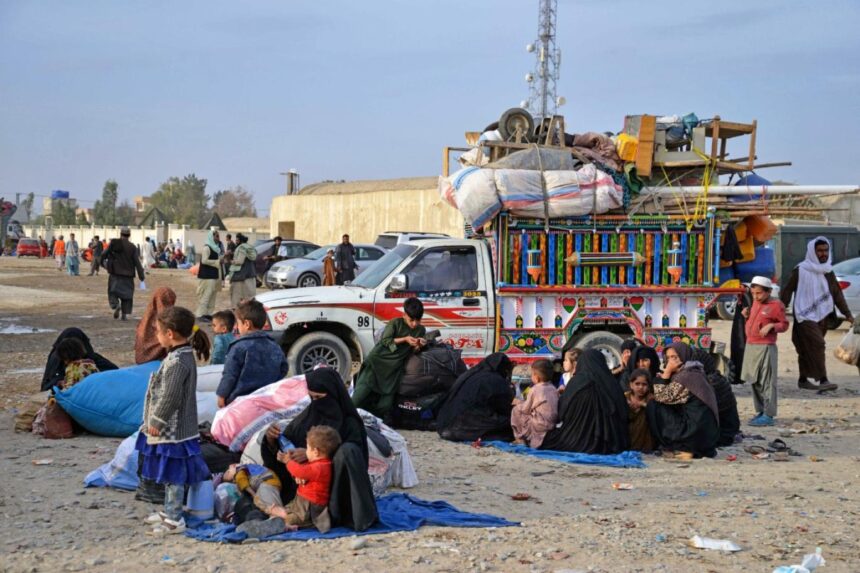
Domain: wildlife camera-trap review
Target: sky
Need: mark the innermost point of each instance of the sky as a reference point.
(238, 92)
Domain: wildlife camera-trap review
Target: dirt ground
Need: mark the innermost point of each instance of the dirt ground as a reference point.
(575, 521)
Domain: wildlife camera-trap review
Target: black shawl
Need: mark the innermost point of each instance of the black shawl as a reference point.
(593, 412)
(335, 410)
(481, 399)
(55, 370)
(644, 352)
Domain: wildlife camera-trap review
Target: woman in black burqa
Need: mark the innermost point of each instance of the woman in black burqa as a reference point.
(683, 416)
(352, 503)
(55, 369)
(727, 404)
(592, 412)
(480, 402)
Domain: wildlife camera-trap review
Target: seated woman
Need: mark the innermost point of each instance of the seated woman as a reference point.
(641, 357)
(683, 416)
(592, 411)
(351, 503)
(480, 402)
(146, 345)
(55, 369)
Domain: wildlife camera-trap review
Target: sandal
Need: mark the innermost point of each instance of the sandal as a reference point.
(779, 446)
(755, 450)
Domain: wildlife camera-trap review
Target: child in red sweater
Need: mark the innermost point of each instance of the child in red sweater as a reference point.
(314, 480)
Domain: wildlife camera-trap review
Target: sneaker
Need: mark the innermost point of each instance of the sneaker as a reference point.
(169, 527)
(763, 420)
(806, 385)
(155, 518)
(756, 417)
(259, 529)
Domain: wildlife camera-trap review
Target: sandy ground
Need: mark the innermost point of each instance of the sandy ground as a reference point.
(575, 521)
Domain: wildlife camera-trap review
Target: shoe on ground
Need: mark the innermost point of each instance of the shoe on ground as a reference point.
(155, 518)
(806, 385)
(116, 313)
(259, 529)
(826, 386)
(169, 527)
(756, 417)
(763, 420)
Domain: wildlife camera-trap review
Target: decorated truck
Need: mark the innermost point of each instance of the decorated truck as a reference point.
(521, 290)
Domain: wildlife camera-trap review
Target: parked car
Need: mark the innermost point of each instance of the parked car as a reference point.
(28, 248)
(295, 248)
(848, 276)
(307, 271)
(390, 239)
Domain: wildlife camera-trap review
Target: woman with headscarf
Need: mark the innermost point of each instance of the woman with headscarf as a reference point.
(352, 503)
(727, 404)
(55, 369)
(641, 358)
(592, 411)
(480, 402)
(146, 345)
(683, 416)
(209, 277)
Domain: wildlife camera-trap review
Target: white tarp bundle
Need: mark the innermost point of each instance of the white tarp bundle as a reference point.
(480, 194)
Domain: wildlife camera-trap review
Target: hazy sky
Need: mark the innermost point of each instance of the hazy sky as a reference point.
(237, 92)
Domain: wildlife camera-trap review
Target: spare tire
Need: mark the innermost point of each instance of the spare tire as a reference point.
(608, 343)
(517, 119)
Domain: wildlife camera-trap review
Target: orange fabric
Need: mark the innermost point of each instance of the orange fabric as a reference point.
(146, 346)
(59, 247)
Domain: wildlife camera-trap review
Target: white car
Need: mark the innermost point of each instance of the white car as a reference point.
(307, 271)
(848, 276)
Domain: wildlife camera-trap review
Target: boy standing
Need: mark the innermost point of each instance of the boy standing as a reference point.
(380, 374)
(254, 360)
(765, 320)
(223, 323)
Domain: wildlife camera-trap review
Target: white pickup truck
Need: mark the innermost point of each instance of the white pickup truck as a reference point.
(484, 296)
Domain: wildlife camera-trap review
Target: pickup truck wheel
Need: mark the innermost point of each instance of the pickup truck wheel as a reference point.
(608, 343)
(726, 307)
(315, 347)
(308, 280)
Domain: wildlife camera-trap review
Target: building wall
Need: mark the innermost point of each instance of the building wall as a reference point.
(324, 218)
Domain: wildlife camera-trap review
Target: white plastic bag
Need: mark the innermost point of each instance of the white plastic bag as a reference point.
(715, 544)
(142, 285)
(848, 350)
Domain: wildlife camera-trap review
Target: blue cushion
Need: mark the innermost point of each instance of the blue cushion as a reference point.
(109, 403)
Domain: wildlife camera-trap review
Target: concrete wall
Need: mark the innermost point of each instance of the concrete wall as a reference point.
(324, 218)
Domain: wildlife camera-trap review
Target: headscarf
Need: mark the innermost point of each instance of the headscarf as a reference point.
(335, 409)
(146, 345)
(692, 377)
(55, 370)
(212, 243)
(644, 352)
(490, 377)
(813, 300)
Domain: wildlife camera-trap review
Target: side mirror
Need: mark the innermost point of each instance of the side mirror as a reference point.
(398, 283)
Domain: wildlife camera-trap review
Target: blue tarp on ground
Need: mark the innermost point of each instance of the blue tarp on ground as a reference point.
(397, 512)
(622, 460)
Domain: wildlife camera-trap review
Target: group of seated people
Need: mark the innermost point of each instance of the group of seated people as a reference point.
(685, 410)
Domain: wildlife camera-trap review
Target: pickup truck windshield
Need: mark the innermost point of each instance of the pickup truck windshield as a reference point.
(382, 268)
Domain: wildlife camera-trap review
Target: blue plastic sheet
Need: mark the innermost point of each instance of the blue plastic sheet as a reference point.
(397, 512)
(622, 460)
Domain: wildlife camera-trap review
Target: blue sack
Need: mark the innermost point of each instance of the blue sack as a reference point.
(109, 403)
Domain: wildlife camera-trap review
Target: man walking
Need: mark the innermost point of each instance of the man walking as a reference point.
(72, 253)
(122, 260)
(60, 253)
(96, 249)
(344, 261)
(764, 321)
(816, 292)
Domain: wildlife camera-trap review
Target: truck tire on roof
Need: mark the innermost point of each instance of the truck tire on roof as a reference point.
(314, 347)
(513, 119)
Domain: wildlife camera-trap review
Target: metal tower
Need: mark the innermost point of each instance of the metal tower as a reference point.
(543, 100)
